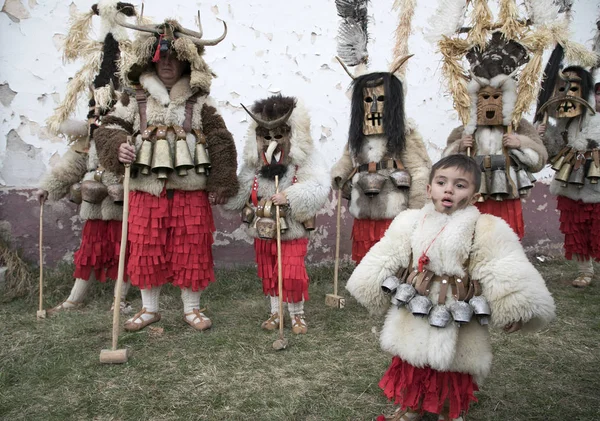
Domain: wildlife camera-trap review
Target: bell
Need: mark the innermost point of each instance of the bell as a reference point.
(116, 193)
(93, 191)
(162, 163)
(75, 193)
(390, 284)
(310, 224)
(347, 190)
(483, 320)
(201, 159)
(405, 293)
(283, 225)
(480, 306)
(143, 159)
(593, 173)
(266, 228)
(400, 179)
(564, 173)
(483, 188)
(558, 163)
(461, 312)
(523, 182)
(420, 306)
(183, 158)
(499, 186)
(439, 316)
(371, 183)
(247, 214)
(395, 302)
(577, 177)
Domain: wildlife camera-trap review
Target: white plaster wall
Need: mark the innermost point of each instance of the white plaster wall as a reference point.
(272, 46)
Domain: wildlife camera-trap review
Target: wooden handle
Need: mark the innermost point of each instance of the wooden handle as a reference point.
(41, 306)
(336, 267)
(122, 252)
(279, 271)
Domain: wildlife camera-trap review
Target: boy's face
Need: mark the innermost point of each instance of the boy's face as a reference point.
(452, 189)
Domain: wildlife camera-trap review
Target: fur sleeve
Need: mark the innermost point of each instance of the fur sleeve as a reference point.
(453, 142)
(417, 162)
(310, 193)
(532, 153)
(384, 259)
(512, 285)
(70, 170)
(245, 180)
(221, 149)
(553, 140)
(122, 121)
(341, 169)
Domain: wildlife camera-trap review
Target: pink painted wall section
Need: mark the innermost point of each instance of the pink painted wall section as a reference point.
(62, 228)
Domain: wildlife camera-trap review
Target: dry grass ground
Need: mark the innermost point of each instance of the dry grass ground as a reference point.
(49, 370)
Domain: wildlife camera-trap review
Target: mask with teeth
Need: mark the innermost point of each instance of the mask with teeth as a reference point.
(374, 99)
(567, 96)
(489, 106)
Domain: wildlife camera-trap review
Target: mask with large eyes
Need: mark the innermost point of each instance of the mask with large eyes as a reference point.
(273, 144)
(568, 88)
(374, 100)
(489, 106)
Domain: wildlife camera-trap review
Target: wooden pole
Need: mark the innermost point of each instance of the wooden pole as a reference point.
(334, 300)
(280, 343)
(41, 313)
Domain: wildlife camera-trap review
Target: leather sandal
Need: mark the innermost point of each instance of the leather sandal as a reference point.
(124, 307)
(200, 322)
(583, 280)
(404, 415)
(272, 323)
(299, 326)
(132, 325)
(61, 307)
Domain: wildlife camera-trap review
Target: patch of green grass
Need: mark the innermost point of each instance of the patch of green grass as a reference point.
(50, 370)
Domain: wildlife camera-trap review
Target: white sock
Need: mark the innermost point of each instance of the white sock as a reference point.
(296, 309)
(275, 305)
(585, 266)
(150, 299)
(79, 291)
(191, 300)
(124, 290)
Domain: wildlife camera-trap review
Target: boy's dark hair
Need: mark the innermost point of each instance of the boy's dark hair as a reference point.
(463, 163)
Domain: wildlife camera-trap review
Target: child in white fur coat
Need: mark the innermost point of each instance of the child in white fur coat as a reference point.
(437, 369)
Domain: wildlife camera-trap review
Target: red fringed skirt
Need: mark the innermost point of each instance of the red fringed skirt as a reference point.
(365, 233)
(170, 239)
(580, 223)
(428, 390)
(509, 210)
(295, 278)
(99, 250)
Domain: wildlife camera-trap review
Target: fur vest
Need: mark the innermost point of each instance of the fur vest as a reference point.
(306, 196)
(167, 108)
(391, 200)
(510, 283)
(581, 139)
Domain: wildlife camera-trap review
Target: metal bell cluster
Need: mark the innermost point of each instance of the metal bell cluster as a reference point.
(201, 157)
(574, 167)
(439, 315)
(264, 220)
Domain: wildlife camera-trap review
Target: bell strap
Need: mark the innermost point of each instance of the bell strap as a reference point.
(381, 165)
(180, 132)
(161, 132)
(513, 187)
(148, 132)
(142, 100)
(189, 111)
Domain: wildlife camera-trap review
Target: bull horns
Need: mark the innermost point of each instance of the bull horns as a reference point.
(270, 124)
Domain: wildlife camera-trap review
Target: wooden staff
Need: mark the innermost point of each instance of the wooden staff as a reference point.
(281, 342)
(41, 313)
(334, 300)
(114, 355)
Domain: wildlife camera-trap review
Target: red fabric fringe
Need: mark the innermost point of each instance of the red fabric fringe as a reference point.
(170, 240)
(99, 250)
(510, 210)
(428, 390)
(580, 223)
(295, 278)
(365, 233)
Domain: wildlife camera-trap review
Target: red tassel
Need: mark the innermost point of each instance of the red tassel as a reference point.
(156, 56)
(580, 223)
(510, 210)
(365, 234)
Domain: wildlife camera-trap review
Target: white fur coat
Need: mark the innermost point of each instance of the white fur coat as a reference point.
(513, 287)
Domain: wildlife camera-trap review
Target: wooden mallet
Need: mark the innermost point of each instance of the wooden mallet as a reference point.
(41, 313)
(281, 342)
(335, 300)
(114, 355)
